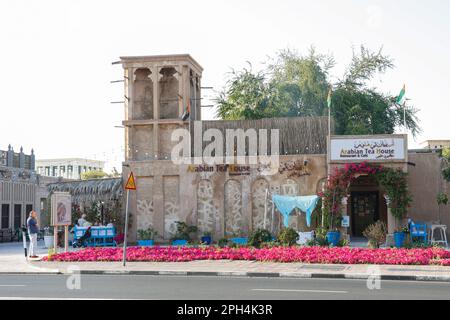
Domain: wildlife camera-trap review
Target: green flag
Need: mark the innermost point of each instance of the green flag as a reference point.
(401, 96)
(329, 99)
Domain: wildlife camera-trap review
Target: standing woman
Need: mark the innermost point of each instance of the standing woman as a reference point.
(32, 226)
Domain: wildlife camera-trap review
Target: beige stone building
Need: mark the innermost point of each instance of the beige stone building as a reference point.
(435, 144)
(21, 190)
(234, 199)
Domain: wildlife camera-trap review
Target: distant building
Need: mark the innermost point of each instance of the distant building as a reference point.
(435, 144)
(70, 168)
(21, 190)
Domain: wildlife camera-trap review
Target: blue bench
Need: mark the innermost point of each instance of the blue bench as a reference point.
(100, 236)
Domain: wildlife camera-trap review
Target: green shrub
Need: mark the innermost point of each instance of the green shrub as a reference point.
(343, 243)
(318, 241)
(258, 237)
(148, 234)
(288, 237)
(184, 231)
(223, 242)
(446, 174)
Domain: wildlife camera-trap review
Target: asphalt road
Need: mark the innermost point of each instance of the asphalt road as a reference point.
(204, 288)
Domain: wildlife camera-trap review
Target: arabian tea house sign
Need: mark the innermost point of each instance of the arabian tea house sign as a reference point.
(367, 149)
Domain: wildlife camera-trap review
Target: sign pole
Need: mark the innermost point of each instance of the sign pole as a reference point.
(126, 231)
(131, 185)
(24, 238)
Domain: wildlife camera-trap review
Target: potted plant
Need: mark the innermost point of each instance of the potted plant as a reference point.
(146, 238)
(442, 200)
(183, 234)
(376, 234)
(238, 239)
(48, 238)
(333, 237)
(207, 238)
(400, 236)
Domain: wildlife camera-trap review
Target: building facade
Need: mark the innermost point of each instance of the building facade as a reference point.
(70, 168)
(232, 199)
(21, 189)
(435, 144)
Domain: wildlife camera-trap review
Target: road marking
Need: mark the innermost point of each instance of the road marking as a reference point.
(81, 299)
(12, 285)
(296, 290)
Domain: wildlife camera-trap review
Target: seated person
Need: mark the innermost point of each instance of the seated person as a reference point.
(82, 222)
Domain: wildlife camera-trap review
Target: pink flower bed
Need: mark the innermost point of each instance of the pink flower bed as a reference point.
(323, 255)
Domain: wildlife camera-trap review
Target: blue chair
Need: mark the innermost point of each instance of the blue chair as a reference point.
(418, 231)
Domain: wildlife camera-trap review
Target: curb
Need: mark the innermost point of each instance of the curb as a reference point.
(285, 275)
(423, 278)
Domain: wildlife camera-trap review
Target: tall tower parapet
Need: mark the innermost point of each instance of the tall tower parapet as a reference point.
(158, 91)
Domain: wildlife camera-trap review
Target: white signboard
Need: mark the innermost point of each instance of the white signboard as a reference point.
(352, 149)
(61, 209)
(345, 222)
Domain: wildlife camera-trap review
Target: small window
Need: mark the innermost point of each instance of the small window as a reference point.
(5, 217)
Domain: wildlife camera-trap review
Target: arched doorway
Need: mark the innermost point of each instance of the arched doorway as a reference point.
(366, 204)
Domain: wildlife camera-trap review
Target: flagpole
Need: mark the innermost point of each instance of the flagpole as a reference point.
(329, 148)
(404, 117)
(190, 134)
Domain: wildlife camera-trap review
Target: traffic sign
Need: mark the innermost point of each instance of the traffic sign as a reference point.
(131, 183)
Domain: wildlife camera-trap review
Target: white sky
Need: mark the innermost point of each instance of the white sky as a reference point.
(56, 57)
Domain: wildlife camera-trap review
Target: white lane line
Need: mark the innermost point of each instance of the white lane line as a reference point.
(12, 285)
(295, 290)
(48, 298)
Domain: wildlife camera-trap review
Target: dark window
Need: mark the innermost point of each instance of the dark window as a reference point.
(28, 209)
(5, 216)
(17, 216)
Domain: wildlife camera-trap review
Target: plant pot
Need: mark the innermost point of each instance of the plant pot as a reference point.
(240, 241)
(146, 243)
(333, 238)
(206, 240)
(179, 242)
(399, 239)
(49, 242)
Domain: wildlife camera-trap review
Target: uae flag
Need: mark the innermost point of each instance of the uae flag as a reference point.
(401, 96)
(187, 112)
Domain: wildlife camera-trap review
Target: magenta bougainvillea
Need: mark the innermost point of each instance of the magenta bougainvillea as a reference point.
(394, 181)
(321, 255)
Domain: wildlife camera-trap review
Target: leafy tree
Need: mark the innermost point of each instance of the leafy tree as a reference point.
(301, 83)
(446, 163)
(246, 96)
(89, 175)
(446, 153)
(296, 85)
(93, 175)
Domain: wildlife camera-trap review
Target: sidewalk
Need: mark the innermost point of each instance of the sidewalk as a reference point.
(12, 261)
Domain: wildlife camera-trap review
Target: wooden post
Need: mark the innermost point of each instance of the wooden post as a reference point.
(66, 238)
(55, 239)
